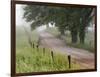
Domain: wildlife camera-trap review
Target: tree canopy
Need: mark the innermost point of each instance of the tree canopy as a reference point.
(74, 19)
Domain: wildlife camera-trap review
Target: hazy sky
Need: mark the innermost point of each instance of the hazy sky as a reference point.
(19, 16)
(21, 22)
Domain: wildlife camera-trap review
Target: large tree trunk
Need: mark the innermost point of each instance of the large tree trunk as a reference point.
(74, 36)
(82, 31)
(82, 35)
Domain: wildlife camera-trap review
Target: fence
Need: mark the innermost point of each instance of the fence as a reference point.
(52, 54)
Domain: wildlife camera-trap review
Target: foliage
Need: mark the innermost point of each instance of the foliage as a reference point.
(75, 19)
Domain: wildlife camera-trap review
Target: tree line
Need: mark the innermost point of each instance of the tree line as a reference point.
(74, 19)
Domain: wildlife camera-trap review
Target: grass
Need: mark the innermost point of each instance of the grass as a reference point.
(32, 60)
(89, 39)
(39, 61)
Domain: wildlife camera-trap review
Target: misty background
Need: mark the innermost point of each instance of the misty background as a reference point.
(21, 22)
(19, 18)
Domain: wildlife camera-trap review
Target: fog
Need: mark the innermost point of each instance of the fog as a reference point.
(19, 16)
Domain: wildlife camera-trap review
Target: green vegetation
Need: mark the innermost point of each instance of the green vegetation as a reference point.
(89, 40)
(74, 19)
(30, 59)
(70, 23)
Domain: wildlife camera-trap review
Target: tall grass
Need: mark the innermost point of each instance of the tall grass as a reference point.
(30, 59)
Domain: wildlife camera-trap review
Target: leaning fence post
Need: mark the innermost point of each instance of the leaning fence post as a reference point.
(52, 55)
(69, 61)
(33, 45)
(37, 47)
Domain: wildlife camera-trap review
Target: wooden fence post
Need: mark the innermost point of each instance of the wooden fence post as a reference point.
(52, 55)
(37, 47)
(33, 45)
(69, 61)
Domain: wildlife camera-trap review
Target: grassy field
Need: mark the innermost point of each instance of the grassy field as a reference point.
(30, 59)
(89, 39)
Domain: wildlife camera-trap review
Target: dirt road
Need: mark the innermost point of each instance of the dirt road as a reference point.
(83, 57)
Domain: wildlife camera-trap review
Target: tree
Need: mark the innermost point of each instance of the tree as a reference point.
(85, 17)
(74, 19)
